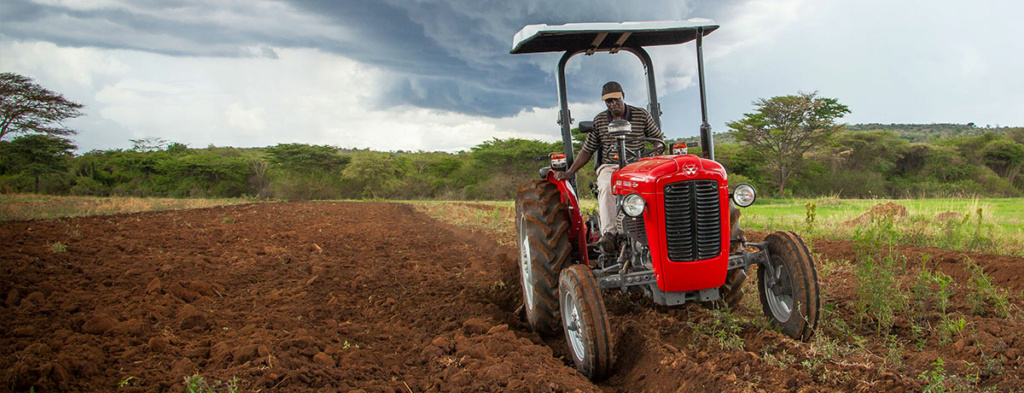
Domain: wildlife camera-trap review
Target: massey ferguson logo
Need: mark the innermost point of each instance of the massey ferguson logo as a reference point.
(690, 169)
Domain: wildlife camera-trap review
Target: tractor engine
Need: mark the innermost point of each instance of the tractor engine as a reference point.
(674, 210)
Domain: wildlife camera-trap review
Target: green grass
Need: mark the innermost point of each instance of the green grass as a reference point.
(1007, 213)
(998, 229)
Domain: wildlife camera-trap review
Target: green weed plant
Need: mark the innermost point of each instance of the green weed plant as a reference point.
(985, 297)
(880, 297)
(938, 381)
(199, 384)
(722, 327)
(58, 247)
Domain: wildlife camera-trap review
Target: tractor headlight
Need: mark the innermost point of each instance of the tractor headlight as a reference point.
(744, 195)
(633, 205)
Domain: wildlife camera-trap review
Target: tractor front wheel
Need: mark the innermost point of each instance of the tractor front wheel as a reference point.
(585, 321)
(789, 296)
(542, 223)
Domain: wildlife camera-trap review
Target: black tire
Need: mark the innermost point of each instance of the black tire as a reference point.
(731, 293)
(732, 290)
(585, 321)
(793, 305)
(542, 225)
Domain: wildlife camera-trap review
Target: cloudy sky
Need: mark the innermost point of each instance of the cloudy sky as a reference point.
(436, 75)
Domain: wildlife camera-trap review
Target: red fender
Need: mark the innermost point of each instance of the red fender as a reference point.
(577, 229)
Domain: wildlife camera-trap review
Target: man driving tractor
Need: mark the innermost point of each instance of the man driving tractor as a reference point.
(641, 125)
(673, 218)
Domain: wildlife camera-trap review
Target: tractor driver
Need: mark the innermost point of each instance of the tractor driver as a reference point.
(642, 125)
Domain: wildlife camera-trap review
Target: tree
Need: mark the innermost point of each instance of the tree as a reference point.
(203, 173)
(513, 154)
(304, 159)
(151, 143)
(35, 155)
(786, 127)
(1016, 135)
(26, 107)
(1003, 156)
(377, 173)
(873, 151)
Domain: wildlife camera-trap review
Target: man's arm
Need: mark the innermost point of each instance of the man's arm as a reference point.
(590, 145)
(581, 160)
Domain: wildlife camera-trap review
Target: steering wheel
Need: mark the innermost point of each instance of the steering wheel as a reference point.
(657, 149)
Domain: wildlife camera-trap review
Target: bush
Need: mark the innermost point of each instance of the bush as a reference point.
(303, 187)
(83, 185)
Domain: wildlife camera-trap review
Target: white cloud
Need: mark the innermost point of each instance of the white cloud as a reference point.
(303, 96)
(67, 67)
(246, 120)
(757, 23)
(891, 62)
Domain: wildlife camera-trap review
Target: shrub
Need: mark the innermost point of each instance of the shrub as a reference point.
(879, 296)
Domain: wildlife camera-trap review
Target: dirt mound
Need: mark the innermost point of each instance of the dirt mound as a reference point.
(888, 210)
(949, 216)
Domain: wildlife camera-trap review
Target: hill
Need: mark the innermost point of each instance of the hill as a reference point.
(924, 132)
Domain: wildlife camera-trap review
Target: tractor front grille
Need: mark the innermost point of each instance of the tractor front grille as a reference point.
(693, 220)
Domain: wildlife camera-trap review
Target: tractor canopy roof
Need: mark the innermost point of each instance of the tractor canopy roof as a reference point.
(593, 37)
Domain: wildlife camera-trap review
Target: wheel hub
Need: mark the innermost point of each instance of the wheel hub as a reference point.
(572, 325)
(526, 263)
(780, 293)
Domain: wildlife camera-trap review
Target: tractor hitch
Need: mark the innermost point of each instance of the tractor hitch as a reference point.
(744, 259)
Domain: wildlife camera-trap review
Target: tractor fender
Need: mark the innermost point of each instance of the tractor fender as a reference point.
(577, 229)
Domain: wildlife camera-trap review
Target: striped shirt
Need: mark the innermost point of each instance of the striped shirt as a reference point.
(641, 123)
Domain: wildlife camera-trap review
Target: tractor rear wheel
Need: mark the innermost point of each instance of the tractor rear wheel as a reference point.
(585, 321)
(790, 298)
(542, 223)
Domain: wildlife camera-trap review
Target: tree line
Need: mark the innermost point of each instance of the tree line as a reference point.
(790, 146)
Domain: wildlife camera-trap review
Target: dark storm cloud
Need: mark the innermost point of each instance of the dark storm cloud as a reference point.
(444, 59)
(478, 75)
(450, 55)
(133, 29)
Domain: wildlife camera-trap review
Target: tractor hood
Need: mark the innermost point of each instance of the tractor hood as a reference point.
(642, 177)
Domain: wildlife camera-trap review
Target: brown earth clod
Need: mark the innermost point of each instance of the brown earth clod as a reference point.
(375, 297)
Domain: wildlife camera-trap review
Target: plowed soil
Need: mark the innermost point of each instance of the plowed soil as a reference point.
(338, 297)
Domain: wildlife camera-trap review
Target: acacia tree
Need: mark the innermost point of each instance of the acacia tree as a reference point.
(305, 159)
(35, 156)
(379, 174)
(786, 127)
(26, 107)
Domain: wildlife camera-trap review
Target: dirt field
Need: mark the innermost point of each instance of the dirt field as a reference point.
(328, 297)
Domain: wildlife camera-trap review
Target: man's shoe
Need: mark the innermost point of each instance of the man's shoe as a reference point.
(607, 243)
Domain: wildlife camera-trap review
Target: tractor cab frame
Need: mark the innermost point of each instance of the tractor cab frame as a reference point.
(632, 37)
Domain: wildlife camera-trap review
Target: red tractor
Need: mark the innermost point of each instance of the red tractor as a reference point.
(678, 240)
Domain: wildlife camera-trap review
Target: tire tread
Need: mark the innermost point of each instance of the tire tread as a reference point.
(547, 220)
(789, 245)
